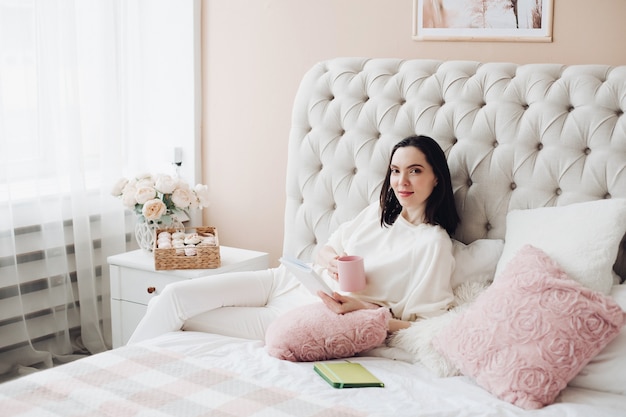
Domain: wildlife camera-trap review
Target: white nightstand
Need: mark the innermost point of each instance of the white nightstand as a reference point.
(134, 282)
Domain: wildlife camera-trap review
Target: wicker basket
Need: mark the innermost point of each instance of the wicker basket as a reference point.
(207, 257)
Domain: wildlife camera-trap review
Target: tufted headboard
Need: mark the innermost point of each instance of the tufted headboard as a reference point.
(516, 137)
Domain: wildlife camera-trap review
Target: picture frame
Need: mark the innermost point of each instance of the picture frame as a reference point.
(483, 20)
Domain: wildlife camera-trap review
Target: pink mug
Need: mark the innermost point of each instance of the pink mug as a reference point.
(351, 273)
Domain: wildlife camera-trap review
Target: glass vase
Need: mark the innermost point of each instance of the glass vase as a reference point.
(145, 231)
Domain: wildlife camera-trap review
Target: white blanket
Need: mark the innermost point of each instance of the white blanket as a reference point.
(200, 374)
(410, 389)
(151, 381)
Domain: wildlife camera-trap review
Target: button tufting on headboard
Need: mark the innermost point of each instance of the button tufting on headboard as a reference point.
(516, 137)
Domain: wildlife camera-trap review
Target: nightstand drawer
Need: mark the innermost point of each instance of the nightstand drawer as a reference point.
(127, 316)
(141, 286)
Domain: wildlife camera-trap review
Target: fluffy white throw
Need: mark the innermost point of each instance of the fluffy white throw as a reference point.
(417, 339)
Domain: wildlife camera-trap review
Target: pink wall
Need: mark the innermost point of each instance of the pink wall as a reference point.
(255, 52)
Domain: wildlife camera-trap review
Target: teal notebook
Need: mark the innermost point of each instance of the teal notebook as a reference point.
(346, 375)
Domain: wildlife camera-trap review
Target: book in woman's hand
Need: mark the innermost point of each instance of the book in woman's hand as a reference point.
(306, 275)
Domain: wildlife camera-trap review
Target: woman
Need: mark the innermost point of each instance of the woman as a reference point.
(404, 239)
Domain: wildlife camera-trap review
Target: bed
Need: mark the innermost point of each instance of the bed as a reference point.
(537, 155)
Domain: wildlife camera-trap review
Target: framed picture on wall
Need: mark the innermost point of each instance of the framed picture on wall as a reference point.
(483, 20)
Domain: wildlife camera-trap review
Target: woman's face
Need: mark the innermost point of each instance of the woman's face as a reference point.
(412, 180)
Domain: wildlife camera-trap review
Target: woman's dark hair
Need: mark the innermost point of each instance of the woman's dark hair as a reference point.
(440, 206)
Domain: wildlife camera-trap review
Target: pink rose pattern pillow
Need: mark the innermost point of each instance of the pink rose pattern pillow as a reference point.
(531, 331)
(313, 332)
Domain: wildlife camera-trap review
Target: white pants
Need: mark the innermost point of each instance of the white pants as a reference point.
(239, 304)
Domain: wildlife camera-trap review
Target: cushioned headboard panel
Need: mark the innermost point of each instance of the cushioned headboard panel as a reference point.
(516, 137)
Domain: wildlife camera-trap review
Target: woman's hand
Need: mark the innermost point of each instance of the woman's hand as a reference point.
(327, 258)
(342, 304)
(395, 324)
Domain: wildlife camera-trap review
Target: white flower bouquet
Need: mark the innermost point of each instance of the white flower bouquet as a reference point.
(161, 198)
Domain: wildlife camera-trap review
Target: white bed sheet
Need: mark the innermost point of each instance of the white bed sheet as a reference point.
(410, 390)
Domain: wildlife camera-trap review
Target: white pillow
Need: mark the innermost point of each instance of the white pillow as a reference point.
(605, 372)
(475, 262)
(583, 238)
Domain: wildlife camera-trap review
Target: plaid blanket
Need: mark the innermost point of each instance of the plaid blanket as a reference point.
(137, 381)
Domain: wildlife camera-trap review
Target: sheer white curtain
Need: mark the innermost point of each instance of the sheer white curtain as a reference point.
(62, 145)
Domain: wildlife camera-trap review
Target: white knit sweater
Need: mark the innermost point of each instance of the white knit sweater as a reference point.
(408, 267)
